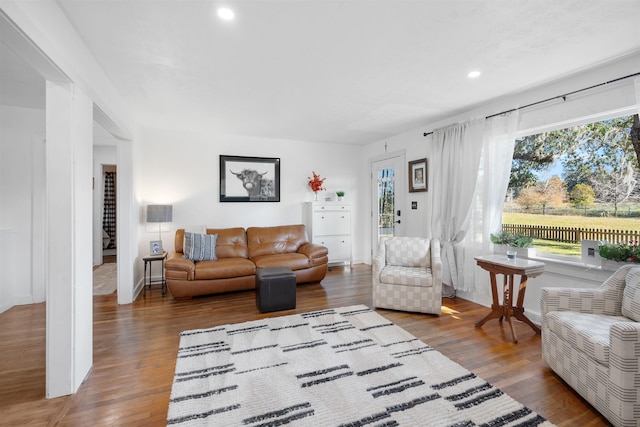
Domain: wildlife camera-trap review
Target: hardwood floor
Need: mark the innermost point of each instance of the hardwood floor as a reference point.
(135, 349)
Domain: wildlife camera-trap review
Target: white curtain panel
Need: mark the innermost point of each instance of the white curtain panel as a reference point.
(455, 155)
(636, 82)
(488, 201)
(495, 170)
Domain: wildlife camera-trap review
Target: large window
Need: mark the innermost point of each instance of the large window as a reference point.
(577, 183)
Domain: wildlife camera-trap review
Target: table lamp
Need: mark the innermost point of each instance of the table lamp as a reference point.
(159, 214)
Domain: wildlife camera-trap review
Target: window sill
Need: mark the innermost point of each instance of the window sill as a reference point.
(572, 267)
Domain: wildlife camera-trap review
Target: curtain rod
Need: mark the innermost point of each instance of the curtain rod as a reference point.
(564, 97)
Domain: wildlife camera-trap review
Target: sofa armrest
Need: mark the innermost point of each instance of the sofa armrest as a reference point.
(317, 254)
(436, 262)
(581, 300)
(176, 261)
(606, 299)
(624, 365)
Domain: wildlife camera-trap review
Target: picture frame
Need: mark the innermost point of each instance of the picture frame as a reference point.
(249, 179)
(418, 176)
(155, 247)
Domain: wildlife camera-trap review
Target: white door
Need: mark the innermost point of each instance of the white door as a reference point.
(388, 187)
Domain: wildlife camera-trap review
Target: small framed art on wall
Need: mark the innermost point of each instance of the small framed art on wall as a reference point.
(418, 175)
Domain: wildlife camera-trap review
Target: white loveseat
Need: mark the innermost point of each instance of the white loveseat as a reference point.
(591, 339)
(407, 275)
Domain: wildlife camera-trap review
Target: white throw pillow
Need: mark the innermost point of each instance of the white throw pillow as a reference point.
(631, 295)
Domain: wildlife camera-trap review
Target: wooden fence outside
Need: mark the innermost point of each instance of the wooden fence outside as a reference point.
(572, 234)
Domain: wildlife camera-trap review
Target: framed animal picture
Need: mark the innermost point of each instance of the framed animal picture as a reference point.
(249, 179)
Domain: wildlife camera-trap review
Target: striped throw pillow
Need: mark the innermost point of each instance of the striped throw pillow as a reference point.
(200, 247)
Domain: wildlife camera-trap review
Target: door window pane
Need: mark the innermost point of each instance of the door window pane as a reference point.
(386, 202)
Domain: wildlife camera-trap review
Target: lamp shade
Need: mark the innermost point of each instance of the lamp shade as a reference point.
(159, 213)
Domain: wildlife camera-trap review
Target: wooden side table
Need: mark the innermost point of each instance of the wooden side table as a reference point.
(149, 281)
(499, 264)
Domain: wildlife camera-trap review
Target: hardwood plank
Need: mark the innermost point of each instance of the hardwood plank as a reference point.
(135, 348)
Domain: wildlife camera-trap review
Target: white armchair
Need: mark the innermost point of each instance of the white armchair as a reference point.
(591, 339)
(407, 274)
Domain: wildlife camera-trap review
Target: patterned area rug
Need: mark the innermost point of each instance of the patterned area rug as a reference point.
(105, 280)
(339, 367)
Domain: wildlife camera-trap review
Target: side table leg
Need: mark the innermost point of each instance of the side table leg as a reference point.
(164, 280)
(508, 306)
(505, 283)
(518, 311)
(144, 281)
(496, 309)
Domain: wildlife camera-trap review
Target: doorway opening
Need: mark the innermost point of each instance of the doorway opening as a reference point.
(109, 234)
(105, 275)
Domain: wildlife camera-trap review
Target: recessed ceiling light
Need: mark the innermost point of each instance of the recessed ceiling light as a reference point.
(474, 74)
(226, 14)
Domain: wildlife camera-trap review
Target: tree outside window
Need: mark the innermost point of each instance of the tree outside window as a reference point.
(576, 176)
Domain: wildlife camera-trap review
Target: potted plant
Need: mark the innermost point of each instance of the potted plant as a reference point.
(614, 255)
(505, 240)
(340, 195)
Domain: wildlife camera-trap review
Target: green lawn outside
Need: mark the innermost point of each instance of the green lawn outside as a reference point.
(570, 249)
(608, 223)
(558, 248)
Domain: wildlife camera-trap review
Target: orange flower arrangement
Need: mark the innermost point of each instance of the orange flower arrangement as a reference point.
(316, 182)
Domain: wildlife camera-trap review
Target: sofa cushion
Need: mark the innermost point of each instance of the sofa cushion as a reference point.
(231, 243)
(293, 261)
(224, 268)
(588, 333)
(200, 247)
(631, 295)
(411, 276)
(280, 239)
(408, 252)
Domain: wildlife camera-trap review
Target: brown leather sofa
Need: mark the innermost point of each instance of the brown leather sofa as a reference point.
(239, 253)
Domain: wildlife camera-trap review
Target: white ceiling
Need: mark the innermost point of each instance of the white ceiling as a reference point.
(342, 71)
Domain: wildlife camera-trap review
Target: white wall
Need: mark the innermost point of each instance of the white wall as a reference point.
(21, 205)
(22, 214)
(7, 272)
(182, 169)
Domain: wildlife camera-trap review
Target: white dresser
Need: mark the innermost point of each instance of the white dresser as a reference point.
(329, 224)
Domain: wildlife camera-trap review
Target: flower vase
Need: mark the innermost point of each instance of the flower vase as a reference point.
(315, 193)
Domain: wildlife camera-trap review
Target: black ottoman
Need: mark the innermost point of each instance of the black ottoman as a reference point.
(275, 289)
